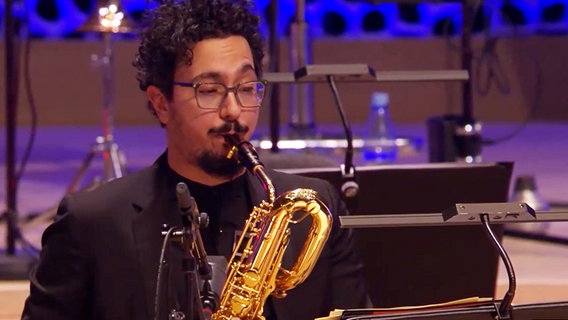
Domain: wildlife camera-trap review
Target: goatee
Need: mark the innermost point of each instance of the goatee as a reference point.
(217, 165)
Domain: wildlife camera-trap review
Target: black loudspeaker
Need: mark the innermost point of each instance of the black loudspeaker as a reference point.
(451, 138)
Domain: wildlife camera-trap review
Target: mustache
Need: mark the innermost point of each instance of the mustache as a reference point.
(228, 127)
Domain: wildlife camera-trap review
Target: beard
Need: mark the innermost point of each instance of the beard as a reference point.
(219, 165)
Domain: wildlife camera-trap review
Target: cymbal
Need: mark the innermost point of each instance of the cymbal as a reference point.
(108, 16)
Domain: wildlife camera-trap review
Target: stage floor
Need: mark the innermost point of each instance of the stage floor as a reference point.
(540, 149)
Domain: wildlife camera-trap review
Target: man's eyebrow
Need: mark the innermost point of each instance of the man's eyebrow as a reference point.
(216, 76)
(246, 68)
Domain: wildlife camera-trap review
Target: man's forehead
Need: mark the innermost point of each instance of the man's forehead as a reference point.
(244, 69)
(218, 58)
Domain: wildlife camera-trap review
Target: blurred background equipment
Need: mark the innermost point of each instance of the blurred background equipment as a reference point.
(13, 264)
(525, 190)
(379, 141)
(107, 19)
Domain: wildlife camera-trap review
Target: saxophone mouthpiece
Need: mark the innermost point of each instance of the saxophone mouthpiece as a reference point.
(233, 139)
(244, 151)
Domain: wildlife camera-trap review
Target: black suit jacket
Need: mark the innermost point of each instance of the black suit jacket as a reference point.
(100, 257)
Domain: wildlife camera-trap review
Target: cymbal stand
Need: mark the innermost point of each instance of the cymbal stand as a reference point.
(114, 161)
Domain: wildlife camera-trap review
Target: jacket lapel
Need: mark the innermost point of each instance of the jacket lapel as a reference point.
(157, 207)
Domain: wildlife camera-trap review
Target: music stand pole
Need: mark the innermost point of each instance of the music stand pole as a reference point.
(11, 266)
(466, 60)
(467, 133)
(274, 66)
(301, 122)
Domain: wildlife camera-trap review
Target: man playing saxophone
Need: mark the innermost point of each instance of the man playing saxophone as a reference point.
(200, 65)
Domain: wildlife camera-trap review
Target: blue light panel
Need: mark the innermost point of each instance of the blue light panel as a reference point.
(345, 19)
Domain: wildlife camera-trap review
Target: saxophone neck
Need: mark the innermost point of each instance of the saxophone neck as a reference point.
(267, 184)
(246, 154)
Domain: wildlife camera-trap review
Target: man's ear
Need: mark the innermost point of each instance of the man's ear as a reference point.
(159, 103)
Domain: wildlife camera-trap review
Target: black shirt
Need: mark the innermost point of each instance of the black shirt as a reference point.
(228, 206)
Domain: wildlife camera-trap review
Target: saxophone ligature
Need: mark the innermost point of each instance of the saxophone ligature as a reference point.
(255, 271)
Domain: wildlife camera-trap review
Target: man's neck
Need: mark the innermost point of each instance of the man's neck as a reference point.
(197, 174)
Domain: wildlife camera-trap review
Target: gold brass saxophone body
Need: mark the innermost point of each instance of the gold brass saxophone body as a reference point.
(254, 270)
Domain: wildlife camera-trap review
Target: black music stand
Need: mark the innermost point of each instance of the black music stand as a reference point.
(407, 265)
(482, 311)
(483, 214)
(357, 72)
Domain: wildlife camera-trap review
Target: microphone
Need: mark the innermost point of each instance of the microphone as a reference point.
(186, 204)
(349, 187)
(193, 220)
(188, 208)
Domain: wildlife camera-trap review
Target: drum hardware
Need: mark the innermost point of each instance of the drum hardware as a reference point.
(108, 19)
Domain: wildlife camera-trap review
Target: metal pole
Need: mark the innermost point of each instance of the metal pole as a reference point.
(12, 266)
(108, 87)
(112, 165)
(12, 81)
(274, 45)
(301, 109)
(467, 131)
(466, 60)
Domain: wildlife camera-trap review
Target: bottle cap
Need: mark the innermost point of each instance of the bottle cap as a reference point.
(379, 99)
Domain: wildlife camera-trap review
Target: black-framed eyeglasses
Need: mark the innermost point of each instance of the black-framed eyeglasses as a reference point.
(210, 96)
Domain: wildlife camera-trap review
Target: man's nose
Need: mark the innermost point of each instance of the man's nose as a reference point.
(230, 109)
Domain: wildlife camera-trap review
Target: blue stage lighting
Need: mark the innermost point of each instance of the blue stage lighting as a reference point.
(342, 18)
(54, 19)
(553, 15)
(377, 20)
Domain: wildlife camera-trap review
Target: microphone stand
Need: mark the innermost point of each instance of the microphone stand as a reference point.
(195, 264)
(12, 266)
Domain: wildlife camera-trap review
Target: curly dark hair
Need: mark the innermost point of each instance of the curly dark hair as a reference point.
(173, 27)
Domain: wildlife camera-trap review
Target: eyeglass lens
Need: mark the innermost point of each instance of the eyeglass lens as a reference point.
(211, 95)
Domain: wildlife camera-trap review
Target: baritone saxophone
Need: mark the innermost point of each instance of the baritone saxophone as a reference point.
(254, 270)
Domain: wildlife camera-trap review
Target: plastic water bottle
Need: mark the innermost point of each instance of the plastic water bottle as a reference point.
(379, 144)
